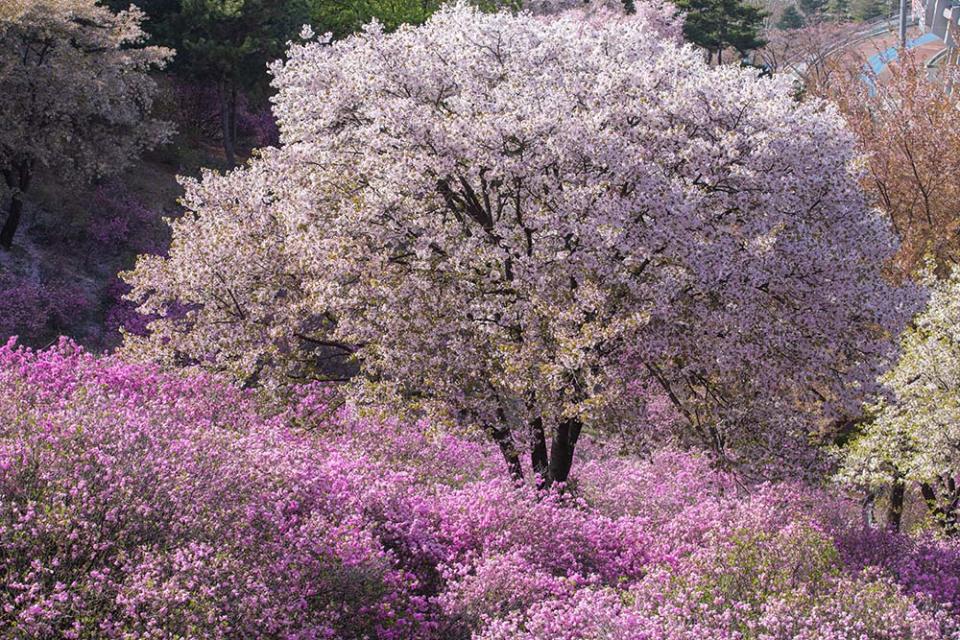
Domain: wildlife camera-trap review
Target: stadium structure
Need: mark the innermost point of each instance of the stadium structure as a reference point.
(942, 19)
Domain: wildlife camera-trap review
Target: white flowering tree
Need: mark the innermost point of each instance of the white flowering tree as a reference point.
(914, 436)
(75, 96)
(515, 221)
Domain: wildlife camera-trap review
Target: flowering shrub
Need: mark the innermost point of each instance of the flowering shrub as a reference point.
(923, 566)
(64, 281)
(141, 504)
(33, 308)
(120, 220)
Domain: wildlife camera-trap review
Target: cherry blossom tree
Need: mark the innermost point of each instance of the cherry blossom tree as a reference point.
(513, 222)
(75, 96)
(809, 53)
(906, 126)
(11, 9)
(914, 436)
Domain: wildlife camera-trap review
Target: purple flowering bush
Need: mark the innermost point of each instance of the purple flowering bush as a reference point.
(34, 307)
(141, 504)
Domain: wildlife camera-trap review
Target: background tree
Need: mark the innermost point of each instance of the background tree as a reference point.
(864, 10)
(790, 19)
(838, 9)
(228, 43)
(914, 436)
(75, 95)
(717, 25)
(344, 18)
(912, 153)
(524, 270)
(808, 52)
(811, 7)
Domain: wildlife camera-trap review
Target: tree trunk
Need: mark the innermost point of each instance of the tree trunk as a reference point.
(869, 518)
(562, 447)
(501, 435)
(12, 222)
(548, 469)
(228, 108)
(953, 508)
(538, 454)
(895, 508)
(233, 115)
(18, 180)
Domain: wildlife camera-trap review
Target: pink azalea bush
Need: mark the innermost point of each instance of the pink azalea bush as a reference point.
(34, 308)
(143, 504)
(65, 282)
(120, 221)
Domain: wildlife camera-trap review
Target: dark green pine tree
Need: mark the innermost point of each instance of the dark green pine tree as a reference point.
(838, 9)
(864, 10)
(790, 19)
(811, 7)
(717, 25)
(348, 16)
(230, 43)
(227, 43)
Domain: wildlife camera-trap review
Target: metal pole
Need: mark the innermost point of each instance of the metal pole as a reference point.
(904, 12)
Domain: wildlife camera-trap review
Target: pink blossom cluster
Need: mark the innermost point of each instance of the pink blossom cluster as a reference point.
(144, 504)
(34, 308)
(122, 221)
(148, 506)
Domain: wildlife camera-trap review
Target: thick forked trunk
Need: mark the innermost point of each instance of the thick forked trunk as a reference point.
(538, 453)
(548, 469)
(18, 180)
(562, 448)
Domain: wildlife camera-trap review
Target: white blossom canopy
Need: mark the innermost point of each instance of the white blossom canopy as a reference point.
(75, 92)
(512, 219)
(914, 435)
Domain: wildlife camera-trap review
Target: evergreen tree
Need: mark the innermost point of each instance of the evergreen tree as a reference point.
(343, 18)
(838, 9)
(227, 43)
(810, 7)
(863, 10)
(230, 43)
(716, 25)
(790, 19)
